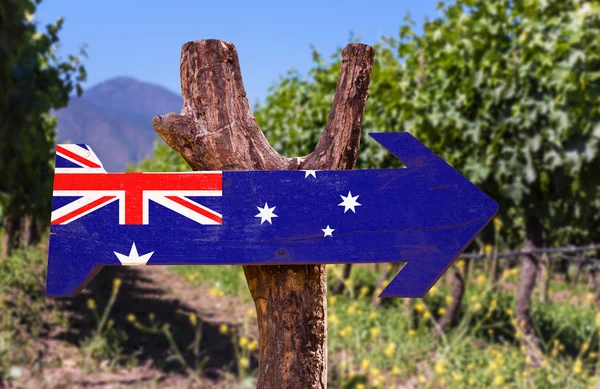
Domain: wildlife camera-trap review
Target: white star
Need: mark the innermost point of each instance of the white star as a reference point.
(328, 230)
(133, 258)
(349, 202)
(310, 173)
(266, 214)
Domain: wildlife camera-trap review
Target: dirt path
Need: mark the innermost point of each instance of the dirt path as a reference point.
(144, 291)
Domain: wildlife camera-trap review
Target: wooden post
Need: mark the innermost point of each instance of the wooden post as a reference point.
(216, 130)
(529, 269)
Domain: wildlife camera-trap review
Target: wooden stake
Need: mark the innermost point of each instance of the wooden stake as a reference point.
(216, 130)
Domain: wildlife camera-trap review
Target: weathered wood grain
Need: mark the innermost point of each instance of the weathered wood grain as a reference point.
(217, 131)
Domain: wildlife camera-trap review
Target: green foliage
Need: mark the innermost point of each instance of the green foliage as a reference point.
(506, 91)
(165, 159)
(33, 81)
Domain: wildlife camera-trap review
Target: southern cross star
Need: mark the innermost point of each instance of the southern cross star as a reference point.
(349, 202)
(133, 258)
(266, 214)
(328, 231)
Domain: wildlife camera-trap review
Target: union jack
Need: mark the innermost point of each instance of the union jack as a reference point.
(79, 173)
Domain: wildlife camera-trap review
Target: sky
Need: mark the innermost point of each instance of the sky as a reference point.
(143, 38)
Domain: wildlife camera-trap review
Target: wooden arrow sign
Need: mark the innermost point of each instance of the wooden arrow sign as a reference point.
(424, 215)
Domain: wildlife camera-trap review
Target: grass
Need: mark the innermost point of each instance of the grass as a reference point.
(376, 348)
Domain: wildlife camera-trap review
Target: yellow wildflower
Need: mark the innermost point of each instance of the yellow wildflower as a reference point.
(110, 324)
(578, 367)
(193, 319)
(481, 280)
(360, 386)
(488, 248)
(433, 291)
(243, 341)
(116, 284)
(474, 298)
(91, 303)
(390, 350)
(457, 377)
(224, 329)
(442, 311)
(498, 380)
(427, 315)
(585, 347)
(472, 381)
(374, 332)
(491, 331)
(131, 318)
(419, 307)
(509, 312)
(332, 300)
(364, 364)
(333, 319)
(477, 307)
(440, 366)
(346, 331)
(497, 224)
(449, 300)
(364, 290)
(470, 366)
(253, 345)
(412, 333)
(250, 313)
(598, 319)
(421, 379)
(396, 370)
(589, 297)
(214, 291)
(244, 362)
(373, 315)
(375, 372)
(461, 265)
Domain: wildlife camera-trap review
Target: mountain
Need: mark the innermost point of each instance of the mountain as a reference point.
(115, 119)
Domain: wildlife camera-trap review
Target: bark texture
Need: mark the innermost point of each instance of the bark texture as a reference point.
(458, 291)
(529, 269)
(9, 235)
(545, 277)
(216, 130)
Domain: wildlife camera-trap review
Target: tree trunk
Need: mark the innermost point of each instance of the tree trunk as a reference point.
(29, 234)
(458, 290)
(9, 235)
(579, 264)
(457, 293)
(217, 131)
(545, 277)
(529, 266)
(596, 278)
(340, 285)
